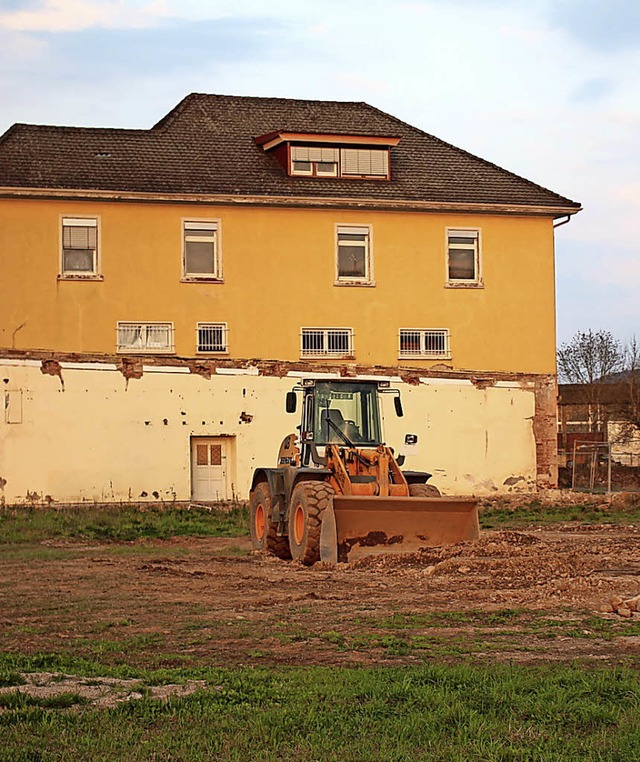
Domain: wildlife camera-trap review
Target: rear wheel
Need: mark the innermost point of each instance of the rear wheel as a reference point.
(308, 502)
(259, 515)
(264, 531)
(424, 490)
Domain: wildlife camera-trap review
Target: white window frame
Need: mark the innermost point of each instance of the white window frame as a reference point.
(225, 338)
(314, 157)
(423, 353)
(70, 220)
(355, 229)
(216, 227)
(147, 327)
(324, 351)
(464, 282)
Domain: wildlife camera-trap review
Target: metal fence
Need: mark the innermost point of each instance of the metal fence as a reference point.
(604, 467)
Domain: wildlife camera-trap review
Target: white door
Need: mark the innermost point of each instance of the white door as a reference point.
(209, 468)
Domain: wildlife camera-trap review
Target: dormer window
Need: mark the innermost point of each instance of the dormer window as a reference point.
(323, 155)
(314, 160)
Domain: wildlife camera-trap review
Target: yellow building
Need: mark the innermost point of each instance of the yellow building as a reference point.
(162, 289)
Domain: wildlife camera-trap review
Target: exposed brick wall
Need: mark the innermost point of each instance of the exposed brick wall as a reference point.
(545, 426)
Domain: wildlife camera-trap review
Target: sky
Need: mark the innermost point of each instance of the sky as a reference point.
(549, 89)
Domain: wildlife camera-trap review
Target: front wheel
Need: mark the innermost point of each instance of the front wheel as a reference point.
(424, 490)
(308, 502)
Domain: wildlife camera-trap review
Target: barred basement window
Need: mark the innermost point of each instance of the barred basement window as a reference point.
(463, 257)
(145, 337)
(213, 337)
(201, 257)
(424, 342)
(326, 342)
(79, 247)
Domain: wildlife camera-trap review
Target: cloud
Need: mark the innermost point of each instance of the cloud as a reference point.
(592, 90)
(74, 15)
(101, 54)
(607, 26)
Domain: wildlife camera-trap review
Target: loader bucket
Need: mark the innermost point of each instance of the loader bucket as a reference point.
(357, 526)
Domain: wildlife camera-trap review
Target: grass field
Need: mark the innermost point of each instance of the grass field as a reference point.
(435, 684)
(128, 523)
(430, 712)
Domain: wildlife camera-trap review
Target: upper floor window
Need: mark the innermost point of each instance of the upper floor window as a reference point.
(424, 342)
(327, 342)
(364, 162)
(314, 160)
(213, 337)
(79, 247)
(463, 257)
(353, 256)
(201, 250)
(145, 337)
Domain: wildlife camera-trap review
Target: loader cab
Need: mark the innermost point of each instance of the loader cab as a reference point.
(343, 413)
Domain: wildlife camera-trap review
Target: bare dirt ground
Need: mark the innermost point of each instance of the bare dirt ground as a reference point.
(528, 596)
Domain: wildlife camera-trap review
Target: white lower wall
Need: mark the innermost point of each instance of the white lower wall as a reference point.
(93, 435)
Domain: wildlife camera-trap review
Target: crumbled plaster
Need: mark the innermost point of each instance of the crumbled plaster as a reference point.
(51, 367)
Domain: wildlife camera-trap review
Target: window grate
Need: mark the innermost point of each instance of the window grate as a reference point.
(212, 337)
(424, 342)
(326, 342)
(145, 337)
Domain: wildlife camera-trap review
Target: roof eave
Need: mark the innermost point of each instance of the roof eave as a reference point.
(225, 199)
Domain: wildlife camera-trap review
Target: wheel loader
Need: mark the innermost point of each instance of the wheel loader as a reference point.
(338, 492)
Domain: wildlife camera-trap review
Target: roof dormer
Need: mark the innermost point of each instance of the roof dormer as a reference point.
(326, 155)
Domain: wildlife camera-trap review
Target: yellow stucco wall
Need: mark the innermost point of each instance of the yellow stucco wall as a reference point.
(279, 272)
(93, 436)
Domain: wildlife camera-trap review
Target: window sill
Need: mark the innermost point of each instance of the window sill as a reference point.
(327, 357)
(200, 279)
(212, 353)
(424, 357)
(472, 284)
(355, 283)
(170, 351)
(74, 276)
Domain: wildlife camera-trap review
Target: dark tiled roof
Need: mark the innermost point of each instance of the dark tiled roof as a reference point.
(205, 145)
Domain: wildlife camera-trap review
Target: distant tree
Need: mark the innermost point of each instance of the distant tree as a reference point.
(589, 359)
(629, 409)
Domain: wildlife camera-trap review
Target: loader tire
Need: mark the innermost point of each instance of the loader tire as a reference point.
(264, 531)
(308, 502)
(424, 490)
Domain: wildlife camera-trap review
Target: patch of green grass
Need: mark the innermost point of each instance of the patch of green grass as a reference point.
(403, 621)
(10, 678)
(18, 700)
(502, 713)
(501, 517)
(118, 523)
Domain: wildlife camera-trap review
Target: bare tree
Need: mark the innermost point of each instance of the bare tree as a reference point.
(628, 411)
(589, 360)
